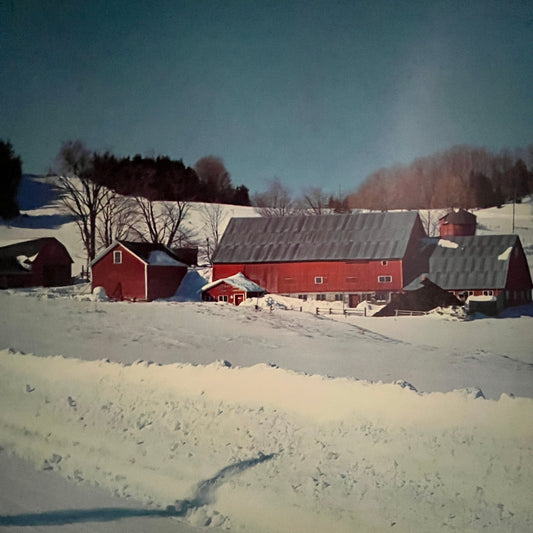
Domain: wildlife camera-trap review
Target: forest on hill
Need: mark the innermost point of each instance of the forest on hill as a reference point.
(461, 176)
(154, 178)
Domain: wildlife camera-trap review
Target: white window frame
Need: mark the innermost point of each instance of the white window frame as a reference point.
(384, 262)
(117, 257)
(222, 297)
(319, 280)
(385, 279)
(488, 293)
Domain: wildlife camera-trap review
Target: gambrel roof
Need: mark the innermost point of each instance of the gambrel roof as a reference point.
(239, 281)
(471, 262)
(347, 237)
(18, 257)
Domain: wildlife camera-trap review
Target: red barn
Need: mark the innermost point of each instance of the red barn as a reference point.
(39, 262)
(349, 257)
(233, 290)
(480, 265)
(137, 271)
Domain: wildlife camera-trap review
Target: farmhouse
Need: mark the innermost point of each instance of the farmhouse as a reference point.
(234, 290)
(39, 262)
(137, 271)
(351, 257)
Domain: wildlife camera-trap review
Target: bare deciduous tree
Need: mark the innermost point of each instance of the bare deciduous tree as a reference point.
(215, 177)
(117, 218)
(315, 201)
(161, 222)
(213, 217)
(80, 193)
(276, 201)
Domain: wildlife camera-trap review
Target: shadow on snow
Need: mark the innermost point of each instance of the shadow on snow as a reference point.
(204, 495)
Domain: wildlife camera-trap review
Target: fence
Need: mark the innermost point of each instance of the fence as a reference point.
(345, 312)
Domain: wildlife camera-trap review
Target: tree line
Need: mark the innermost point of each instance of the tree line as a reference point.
(462, 176)
(140, 198)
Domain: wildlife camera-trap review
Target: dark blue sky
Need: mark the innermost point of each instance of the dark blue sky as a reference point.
(313, 92)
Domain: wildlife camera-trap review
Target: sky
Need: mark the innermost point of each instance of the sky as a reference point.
(318, 93)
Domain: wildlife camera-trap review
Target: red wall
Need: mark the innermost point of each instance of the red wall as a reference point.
(339, 277)
(458, 230)
(122, 281)
(163, 281)
(52, 266)
(227, 290)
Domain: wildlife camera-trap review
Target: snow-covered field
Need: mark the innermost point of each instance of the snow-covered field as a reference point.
(259, 421)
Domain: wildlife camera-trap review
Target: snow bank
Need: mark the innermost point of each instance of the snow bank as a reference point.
(305, 453)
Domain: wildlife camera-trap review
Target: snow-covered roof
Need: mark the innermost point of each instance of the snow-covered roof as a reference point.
(239, 281)
(149, 253)
(18, 256)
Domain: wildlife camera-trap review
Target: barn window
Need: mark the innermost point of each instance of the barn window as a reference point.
(319, 280)
(384, 262)
(117, 257)
(384, 279)
(223, 298)
(488, 293)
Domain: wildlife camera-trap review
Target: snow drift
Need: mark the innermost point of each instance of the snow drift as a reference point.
(305, 453)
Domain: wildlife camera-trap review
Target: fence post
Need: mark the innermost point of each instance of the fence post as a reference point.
(364, 311)
(317, 310)
(330, 312)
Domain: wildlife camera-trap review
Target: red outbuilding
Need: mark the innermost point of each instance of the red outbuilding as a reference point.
(39, 262)
(233, 290)
(137, 271)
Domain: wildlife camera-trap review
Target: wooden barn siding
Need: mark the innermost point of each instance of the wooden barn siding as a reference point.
(414, 262)
(518, 278)
(163, 281)
(52, 266)
(339, 277)
(226, 290)
(458, 230)
(129, 275)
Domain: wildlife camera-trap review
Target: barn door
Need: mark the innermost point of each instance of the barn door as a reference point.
(239, 298)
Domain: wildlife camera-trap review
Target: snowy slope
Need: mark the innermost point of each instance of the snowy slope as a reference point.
(270, 443)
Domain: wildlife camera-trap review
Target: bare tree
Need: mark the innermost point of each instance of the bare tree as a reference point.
(117, 218)
(161, 222)
(216, 178)
(213, 217)
(315, 201)
(80, 193)
(276, 201)
(430, 219)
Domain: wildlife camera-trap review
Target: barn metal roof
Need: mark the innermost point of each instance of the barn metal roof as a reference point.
(459, 216)
(477, 262)
(360, 236)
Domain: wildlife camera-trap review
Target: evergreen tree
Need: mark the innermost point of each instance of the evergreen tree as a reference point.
(10, 176)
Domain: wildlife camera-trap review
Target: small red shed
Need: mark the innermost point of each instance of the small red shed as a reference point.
(137, 271)
(234, 290)
(39, 262)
